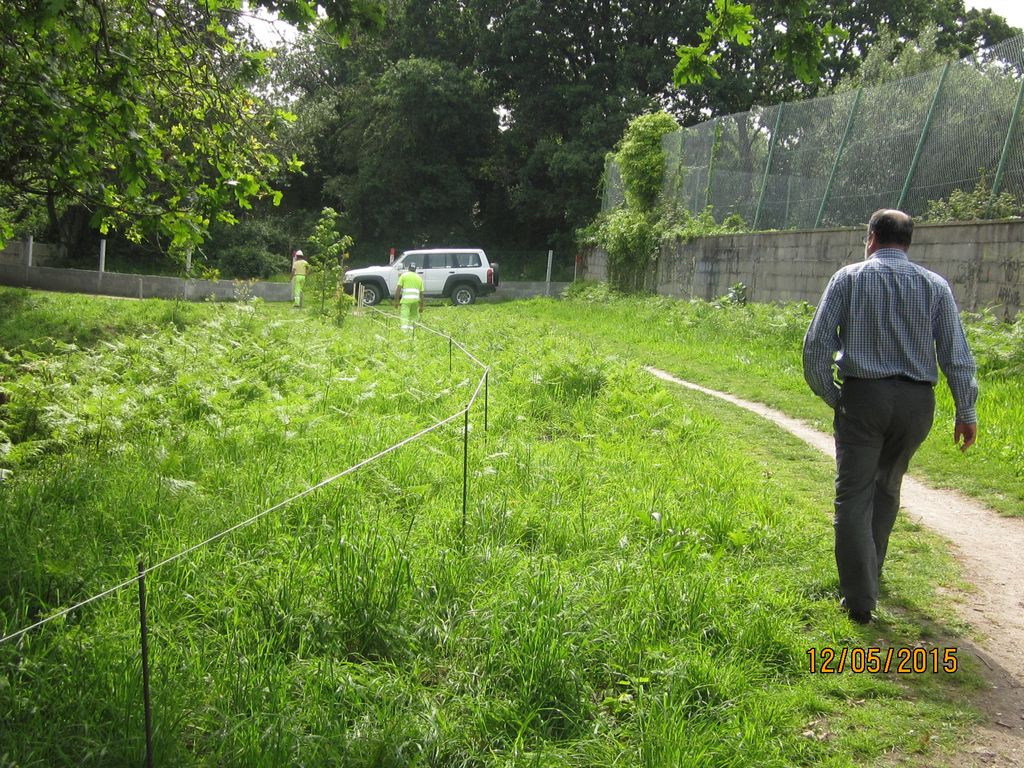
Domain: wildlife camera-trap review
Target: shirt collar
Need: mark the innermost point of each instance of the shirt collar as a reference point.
(890, 253)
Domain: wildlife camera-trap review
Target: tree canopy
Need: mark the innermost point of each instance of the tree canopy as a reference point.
(562, 80)
(140, 117)
(483, 121)
(798, 49)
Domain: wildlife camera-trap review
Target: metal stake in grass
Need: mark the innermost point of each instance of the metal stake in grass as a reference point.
(144, 635)
(465, 472)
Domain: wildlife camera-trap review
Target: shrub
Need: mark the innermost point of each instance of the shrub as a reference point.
(254, 247)
(963, 205)
(632, 235)
(591, 292)
(630, 238)
(250, 261)
(683, 225)
(642, 160)
(329, 252)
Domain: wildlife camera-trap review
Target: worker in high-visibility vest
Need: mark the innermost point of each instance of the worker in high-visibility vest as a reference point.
(299, 269)
(409, 296)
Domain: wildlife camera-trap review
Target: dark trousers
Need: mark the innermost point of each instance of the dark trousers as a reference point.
(879, 424)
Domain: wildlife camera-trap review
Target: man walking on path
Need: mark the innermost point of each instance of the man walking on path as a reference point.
(882, 323)
(299, 269)
(409, 296)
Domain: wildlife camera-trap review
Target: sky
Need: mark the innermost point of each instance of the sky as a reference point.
(277, 32)
(271, 33)
(269, 30)
(1011, 10)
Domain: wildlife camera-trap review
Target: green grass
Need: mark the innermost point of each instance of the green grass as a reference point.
(754, 352)
(44, 318)
(640, 574)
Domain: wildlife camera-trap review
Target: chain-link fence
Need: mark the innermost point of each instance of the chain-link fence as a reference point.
(832, 161)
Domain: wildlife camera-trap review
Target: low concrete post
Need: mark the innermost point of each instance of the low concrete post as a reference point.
(547, 278)
(103, 255)
(359, 308)
(28, 251)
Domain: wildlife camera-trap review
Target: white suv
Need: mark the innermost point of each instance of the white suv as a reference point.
(459, 273)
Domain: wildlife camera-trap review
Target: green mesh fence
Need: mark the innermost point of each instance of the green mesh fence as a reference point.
(614, 195)
(832, 161)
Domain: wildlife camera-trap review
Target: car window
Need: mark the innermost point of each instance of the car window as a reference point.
(443, 260)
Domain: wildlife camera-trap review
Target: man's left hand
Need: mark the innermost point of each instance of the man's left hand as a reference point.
(967, 433)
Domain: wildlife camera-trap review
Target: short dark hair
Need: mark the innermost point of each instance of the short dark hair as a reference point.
(891, 227)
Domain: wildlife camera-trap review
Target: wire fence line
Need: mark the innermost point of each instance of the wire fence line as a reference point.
(832, 161)
(145, 571)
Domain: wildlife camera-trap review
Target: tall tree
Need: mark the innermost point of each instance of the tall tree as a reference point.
(138, 116)
(569, 74)
(416, 167)
(561, 78)
(564, 77)
(394, 140)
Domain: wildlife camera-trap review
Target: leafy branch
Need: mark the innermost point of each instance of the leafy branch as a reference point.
(727, 22)
(801, 47)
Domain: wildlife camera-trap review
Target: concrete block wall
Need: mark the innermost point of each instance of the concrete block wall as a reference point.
(525, 289)
(983, 262)
(155, 286)
(15, 253)
(133, 286)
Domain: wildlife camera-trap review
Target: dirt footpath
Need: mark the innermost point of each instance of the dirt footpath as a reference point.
(991, 551)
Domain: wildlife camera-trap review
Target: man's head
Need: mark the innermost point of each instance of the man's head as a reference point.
(889, 228)
(297, 255)
(411, 266)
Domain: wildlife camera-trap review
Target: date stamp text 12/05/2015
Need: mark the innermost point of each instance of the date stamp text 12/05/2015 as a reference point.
(902, 661)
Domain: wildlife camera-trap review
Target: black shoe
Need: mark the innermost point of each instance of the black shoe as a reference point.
(860, 617)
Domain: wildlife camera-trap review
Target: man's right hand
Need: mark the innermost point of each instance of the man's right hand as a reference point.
(967, 433)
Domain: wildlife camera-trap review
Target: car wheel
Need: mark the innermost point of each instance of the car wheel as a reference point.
(371, 293)
(463, 294)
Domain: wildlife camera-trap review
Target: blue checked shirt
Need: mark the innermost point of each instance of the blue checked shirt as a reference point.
(886, 316)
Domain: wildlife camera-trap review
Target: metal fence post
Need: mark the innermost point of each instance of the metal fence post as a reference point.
(839, 156)
(922, 138)
(677, 197)
(715, 146)
(465, 472)
(144, 635)
(998, 180)
(768, 164)
(789, 194)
